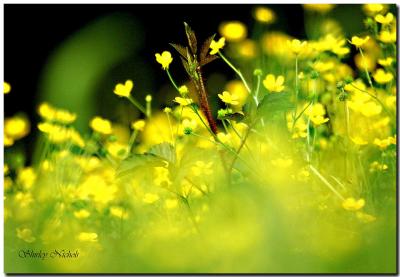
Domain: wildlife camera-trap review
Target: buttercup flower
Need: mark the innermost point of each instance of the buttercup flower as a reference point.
(264, 15)
(165, 59)
(101, 125)
(183, 101)
(215, 46)
(382, 77)
(25, 234)
(352, 204)
(386, 62)
(6, 87)
(274, 84)
(16, 127)
(296, 46)
(138, 125)
(384, 20)
(183, 90)
(228, 98)
(124, 90)
(233, 30)
(87, 237)
(387, 37)
(358, 42)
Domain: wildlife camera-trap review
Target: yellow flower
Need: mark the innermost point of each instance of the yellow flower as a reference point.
(386, 62)
(101, 125)
(384, 143)
(376, 166)
(138, 125)
(351, 204)
(165, 59)
(364, 217)
(282, 163)
(247, 48)
(150, 198)
(171, 203)
(118, 212)
(26, 177)
(224, 138)
(124, 90)
(148, 98)
(370, 108)
(16, 127)
(239, 91)
(183, 90)
(233, 30)
(49, 113)
(25, 234)
(274, 84)
(358, 42)
(228, 98)
(387, 37)
(264, 15)
(117, 149)
(215, 46)
(296, 46)
(8, 141)
(167, 110)
(367, 62)
(317, 113)
(373, 8)
(87, 237)
(384, 20)
(321, 8)
(359, 141)
(183, 101)
(6, 87)
(201, 168)
(382, 77)
(82, 214)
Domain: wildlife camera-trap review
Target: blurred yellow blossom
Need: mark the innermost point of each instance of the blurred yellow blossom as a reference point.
(6, 87)
(264, 15)
(101, 125)
(358, 41)
(321, 8)
(382, 77)
(352, 204)
(387, 37)
(26, 177)
(386, 62)
(87, 237)
(228, 98)
(183, 101)
(233, 30)
(384, 19)
(274, 84)
(119, 212)
(296, 46)
(83, 213)
(16, 127)
(138, 125)
(25, 234)
(150, 198)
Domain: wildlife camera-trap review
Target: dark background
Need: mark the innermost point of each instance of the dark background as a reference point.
(33, 31)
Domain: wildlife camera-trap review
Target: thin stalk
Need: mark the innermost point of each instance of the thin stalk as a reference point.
(322, 178)
(137, 104)
(237, 71)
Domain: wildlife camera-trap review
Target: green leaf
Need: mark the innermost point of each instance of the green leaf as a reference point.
(274, 103)
(191, 38)
(205, 48)
(165, 151)
(180, 49)
(137, 161)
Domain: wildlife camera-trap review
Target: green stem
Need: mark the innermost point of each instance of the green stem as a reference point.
(366, 69)
(322, 178)
(137, 104)
(237, 71)
(172, 80)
